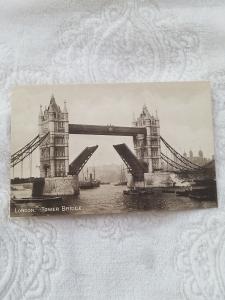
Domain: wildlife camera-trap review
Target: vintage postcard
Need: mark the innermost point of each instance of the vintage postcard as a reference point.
(111, 148)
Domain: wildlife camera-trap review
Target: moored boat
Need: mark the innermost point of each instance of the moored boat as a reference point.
(183, 193)
(199, 197)
(89, 182)
(84, 185)
(137, 192)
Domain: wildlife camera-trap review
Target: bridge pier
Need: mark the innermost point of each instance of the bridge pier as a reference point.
(133, 183)
(157, 179)
(58, 186)
(151, 180)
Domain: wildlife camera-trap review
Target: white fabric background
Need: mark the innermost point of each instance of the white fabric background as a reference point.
(152, 255)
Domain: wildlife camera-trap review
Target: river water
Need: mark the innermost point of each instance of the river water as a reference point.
(106, 199)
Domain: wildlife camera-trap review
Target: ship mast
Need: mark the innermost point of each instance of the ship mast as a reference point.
(94, 172)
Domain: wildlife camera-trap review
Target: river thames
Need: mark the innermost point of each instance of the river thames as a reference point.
(105, 199)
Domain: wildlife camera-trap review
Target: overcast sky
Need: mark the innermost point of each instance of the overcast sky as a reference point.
(184, 110)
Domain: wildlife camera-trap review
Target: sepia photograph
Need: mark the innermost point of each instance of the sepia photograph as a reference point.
(111, 148)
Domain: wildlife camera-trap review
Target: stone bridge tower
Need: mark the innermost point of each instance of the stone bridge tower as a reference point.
(54, 151)
(147, 147)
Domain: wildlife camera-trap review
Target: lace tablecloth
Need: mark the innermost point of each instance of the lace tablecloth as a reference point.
(152, 255)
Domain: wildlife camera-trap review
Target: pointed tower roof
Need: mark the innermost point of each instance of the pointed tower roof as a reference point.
(53, 107)
(52, 101)
(50, 108)
(145, 111)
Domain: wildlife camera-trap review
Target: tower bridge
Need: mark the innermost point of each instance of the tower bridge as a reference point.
(145, 165)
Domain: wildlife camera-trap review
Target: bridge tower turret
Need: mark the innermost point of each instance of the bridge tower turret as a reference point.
(147, 147)
(51, 120)
(54, 151)
(66, 137)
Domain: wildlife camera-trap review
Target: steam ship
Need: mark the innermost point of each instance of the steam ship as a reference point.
(89, 181)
